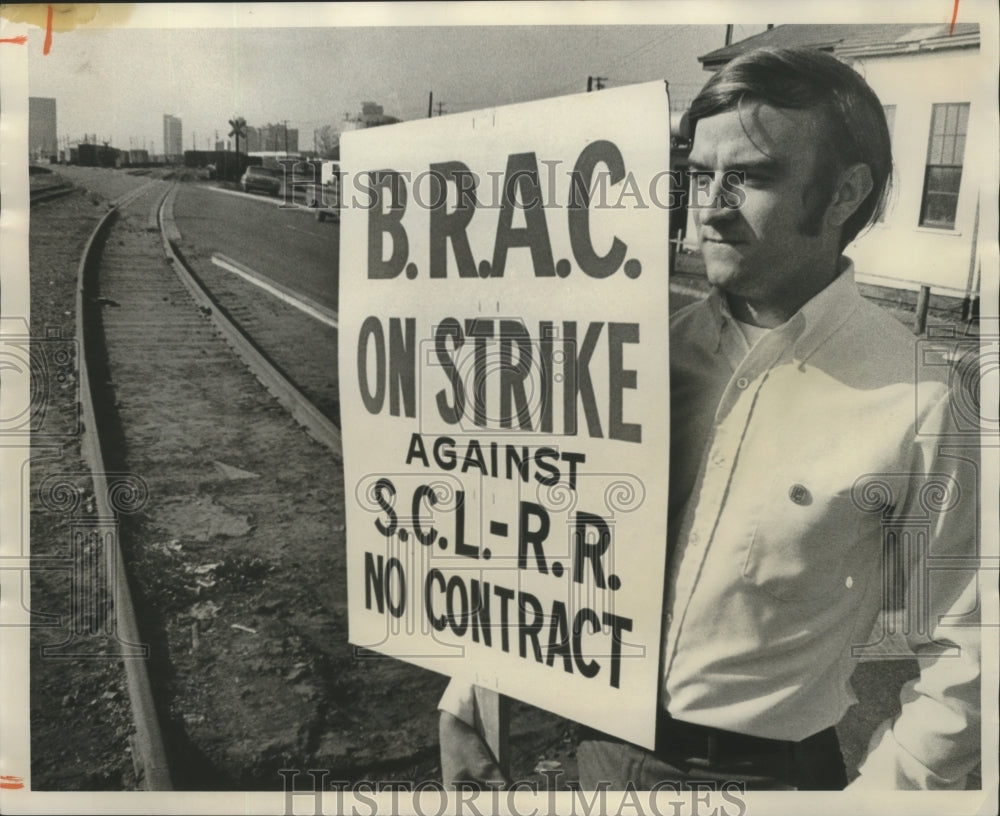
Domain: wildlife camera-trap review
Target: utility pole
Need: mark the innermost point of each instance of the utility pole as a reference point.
(285, 123)
(430, 104)
(440, 108)
(597, 81)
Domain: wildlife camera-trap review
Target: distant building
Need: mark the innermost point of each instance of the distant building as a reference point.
(43, 141)
(939, 121)
(371, 112)
(251, 141)
(372, 115)
(272, 138)
(173, 137)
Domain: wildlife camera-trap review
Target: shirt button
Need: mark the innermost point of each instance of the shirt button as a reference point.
(742, 383)
(693, 540)
(799, 494)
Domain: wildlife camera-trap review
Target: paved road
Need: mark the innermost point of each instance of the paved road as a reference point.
(287, 245)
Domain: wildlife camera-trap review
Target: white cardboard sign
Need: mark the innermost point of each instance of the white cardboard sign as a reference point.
(505, 398)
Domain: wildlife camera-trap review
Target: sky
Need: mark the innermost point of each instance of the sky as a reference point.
(118, 83)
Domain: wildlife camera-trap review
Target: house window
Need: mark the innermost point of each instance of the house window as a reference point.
(890, 120)
(945, 154)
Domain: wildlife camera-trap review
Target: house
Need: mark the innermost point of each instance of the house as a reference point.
(936, 91)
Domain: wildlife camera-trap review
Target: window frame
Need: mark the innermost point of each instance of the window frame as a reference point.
(946, 143)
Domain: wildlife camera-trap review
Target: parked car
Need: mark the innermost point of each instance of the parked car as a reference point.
(263, 179)
(328, 206)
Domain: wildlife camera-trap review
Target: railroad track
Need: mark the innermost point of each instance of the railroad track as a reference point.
(149, 327)
(241, 321)
(151, 757)
(42, 194)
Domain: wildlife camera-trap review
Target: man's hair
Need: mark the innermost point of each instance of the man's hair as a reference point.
(852, 121)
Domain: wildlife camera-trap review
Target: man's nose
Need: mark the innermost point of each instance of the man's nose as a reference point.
(709, 196)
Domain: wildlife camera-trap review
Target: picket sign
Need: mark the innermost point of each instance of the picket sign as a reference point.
(503, 353)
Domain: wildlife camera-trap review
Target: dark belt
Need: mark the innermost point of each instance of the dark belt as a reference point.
(714, 744)
(814, 763)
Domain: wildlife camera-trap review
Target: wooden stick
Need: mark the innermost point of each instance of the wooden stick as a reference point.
(493, 725)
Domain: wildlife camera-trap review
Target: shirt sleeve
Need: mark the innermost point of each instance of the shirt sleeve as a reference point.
(459, 700)
(934, 742)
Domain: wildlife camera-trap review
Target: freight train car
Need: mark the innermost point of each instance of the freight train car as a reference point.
(92, 155)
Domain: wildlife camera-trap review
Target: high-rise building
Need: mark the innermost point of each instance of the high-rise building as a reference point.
(251, 143)
(173, 137)
(43, 140)
(289, 139)
(272, 138)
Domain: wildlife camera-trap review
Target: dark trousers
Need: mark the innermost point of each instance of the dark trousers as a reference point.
(694, 757)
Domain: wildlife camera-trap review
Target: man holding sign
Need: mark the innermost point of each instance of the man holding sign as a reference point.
(807, 435)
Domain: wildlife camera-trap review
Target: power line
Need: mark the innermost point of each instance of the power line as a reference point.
(660, 40)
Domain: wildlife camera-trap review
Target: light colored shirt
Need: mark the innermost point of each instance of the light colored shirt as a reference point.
(751, 333)
(792, 462)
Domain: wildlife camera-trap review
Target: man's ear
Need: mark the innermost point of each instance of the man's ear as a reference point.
(853, 187)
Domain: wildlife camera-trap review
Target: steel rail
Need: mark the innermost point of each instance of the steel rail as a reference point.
(317, 424)
(42, 194)
(153, 770)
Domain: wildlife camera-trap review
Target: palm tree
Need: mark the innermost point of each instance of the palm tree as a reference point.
(238, 127)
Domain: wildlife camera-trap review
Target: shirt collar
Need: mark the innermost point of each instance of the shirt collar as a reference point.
(827, 311)
(812, 324)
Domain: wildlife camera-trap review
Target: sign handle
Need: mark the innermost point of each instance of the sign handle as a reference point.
(493, 725)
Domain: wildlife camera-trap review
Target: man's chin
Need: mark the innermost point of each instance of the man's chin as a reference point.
(721, 276)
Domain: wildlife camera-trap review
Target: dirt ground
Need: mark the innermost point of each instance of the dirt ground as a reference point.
(80, 717)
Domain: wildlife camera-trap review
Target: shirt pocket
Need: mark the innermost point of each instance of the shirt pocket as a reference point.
(801, 542)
